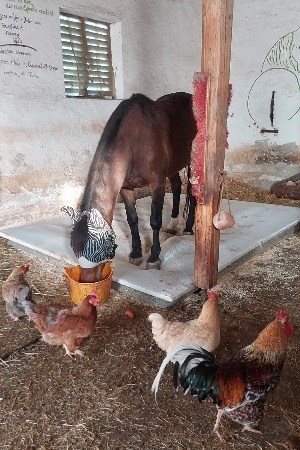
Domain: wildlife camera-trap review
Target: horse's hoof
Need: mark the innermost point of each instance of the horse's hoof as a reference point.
(153, 265)
(136, 261)
(188, 233)
(172, 226)
(170, 230)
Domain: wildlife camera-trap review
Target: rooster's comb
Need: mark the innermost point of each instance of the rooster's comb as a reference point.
(281, 314)
(93, 298)
(25, 267)
(212, 294)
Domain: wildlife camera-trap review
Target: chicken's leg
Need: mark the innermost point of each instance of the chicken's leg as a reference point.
(67, 351)
(250, 428)
(71, 354)
(217, 424)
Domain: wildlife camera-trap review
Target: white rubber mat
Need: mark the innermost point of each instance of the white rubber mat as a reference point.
(255, 225)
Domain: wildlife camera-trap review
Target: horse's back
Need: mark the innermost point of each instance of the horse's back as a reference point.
(163, 131)
(178, 108)
(176, 97)
(148, 140)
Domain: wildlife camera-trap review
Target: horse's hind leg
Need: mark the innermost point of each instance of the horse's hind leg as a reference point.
(155, 221)
(190, 207)
(136, 256)
(176, 190)
(189, 224)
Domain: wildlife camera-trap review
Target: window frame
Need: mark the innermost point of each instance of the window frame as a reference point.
(111, 95)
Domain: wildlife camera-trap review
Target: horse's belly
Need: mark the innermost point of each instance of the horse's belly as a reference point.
(136, 182)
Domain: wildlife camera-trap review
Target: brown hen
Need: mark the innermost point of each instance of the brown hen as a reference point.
(67, 327)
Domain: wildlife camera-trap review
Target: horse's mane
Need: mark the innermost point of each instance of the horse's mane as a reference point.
(79, 235)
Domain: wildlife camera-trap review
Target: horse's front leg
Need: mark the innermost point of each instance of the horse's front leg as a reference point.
(136, 255)
(155, 221)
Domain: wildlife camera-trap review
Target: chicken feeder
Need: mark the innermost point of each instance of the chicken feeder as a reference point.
(78, 291)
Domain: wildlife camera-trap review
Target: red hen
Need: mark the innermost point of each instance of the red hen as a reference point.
(67, 327)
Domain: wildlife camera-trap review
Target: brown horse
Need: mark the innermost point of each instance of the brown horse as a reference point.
(143, 143)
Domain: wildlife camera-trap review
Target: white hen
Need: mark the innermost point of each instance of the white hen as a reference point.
(203, 331)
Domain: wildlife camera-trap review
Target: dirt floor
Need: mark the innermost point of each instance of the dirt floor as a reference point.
(104, 400)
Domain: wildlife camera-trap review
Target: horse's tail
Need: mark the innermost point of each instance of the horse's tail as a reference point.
(189, 208)
(79, 235)
(113, 124)
(188, 195)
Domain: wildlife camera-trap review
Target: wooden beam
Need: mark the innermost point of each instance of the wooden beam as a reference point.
(215, 63)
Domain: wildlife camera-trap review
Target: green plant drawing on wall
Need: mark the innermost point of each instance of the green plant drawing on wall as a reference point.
(283, 55)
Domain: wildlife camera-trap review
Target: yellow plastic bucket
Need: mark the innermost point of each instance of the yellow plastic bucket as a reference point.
(79, 291)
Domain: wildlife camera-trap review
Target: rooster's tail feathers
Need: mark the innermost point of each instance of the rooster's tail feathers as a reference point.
(196, 375)
(178, 354)
(156, 381)
(194, 367)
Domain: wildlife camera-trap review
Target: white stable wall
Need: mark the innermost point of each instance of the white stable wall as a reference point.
(259, 28)
(47, 140)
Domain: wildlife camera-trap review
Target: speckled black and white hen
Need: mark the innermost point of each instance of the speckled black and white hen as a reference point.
(16, 292)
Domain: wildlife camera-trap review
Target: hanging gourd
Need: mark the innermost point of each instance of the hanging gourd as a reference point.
(223, 219)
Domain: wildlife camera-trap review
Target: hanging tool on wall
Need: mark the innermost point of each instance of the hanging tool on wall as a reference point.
(272, 106)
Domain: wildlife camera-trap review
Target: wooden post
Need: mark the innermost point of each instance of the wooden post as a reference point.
(215, 63)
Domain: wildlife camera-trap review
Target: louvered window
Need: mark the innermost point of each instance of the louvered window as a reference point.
(86, 57)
